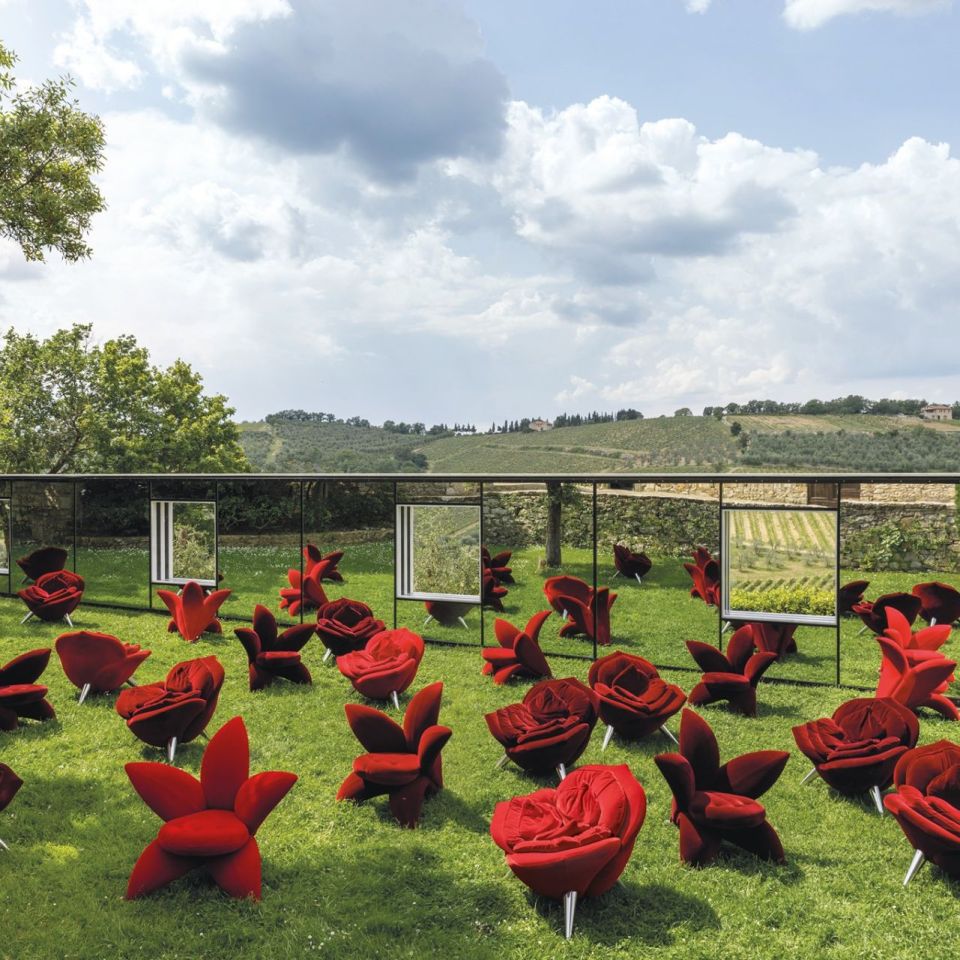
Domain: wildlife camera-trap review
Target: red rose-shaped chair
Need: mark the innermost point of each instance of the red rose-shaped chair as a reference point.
(98, 662)
(856, 750)
(733, 677)
(634, 700)
(346, 625)
(850, 594)
(874, 613)
(20, 695)
(313, 557)
(448, 613)
(588, 613)
(175, 710)
(493, 593)
(386, 666)
(496, 565)
(306, 592)
(574, 840)
(519, 653)
(209, 824)
(713, 803)
(193, 612)
(42, 560)
(272, 654)
(630, 564)
(402, 762)
(53, 597)
(10, 783)
(705, 573)
(939, 602)
(549, 729)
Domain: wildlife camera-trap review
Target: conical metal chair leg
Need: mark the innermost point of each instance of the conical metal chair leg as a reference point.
(877, 799)
(83, 693)
(809, 775)
(429, 618)
(3, 846)
(396, 699)
(562, 771)
(27, 617)
(919, 859)
(327, 655)
(666, 730)
(639, 579)
(607, 737)
(66, 617)
(171, 749)
(726, 627)
(502, 762)
(464, 622)
(569, 909)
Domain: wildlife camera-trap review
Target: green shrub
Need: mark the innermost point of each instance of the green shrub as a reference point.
(805, 599)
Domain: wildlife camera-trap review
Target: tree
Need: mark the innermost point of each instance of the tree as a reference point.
(683, 412)
(69, 405)
(49, 152)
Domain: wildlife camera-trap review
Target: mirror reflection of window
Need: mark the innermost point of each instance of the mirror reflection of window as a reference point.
(183, 542)
(439, 552)
(4, 536)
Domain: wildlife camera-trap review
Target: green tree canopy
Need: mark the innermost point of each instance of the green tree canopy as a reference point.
(49, 151)
(69, 405)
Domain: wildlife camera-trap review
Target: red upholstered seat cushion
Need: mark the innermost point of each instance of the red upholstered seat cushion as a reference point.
(209, 833)
(388, 769)
(726, 810)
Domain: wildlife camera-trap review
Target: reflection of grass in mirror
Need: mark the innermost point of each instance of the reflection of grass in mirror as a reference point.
(446, 550)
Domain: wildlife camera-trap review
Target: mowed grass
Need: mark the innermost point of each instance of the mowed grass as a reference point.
(344, 881)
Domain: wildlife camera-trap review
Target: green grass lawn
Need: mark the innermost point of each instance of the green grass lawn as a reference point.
(344, 881)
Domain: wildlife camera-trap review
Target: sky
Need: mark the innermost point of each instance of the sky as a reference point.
(478, 210)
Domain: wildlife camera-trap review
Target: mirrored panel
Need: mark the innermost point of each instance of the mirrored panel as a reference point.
(183, 541)
(113, 541)
(438, 552)
(175, 488)
(5, 560)
(41, 517)
(435, 491)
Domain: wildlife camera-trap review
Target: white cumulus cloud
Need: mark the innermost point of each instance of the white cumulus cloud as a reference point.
(810, 14)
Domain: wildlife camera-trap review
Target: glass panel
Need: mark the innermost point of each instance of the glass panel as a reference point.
(175, 489)
(440, 552)
(113, 541)
(41, 515)
(183, 539)
(433, 491)
(4, 536)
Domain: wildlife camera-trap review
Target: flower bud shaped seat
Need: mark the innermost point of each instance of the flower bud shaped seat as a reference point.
(874, 613)
(271, 654)
(193, 611)
(306, 592)
(346, 625)
(386, 666)
(448, 613)
(518, 653)
(705, 573)
(732, 677)
(939, 602)
(634, 565)
(850, 594)
(20, 696)
(42, 560)
(313, 557)
(53, 597)
(497, 565)
(97, 662)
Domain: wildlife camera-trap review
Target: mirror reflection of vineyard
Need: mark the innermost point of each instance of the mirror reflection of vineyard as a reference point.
(782, 561)
(446, 545)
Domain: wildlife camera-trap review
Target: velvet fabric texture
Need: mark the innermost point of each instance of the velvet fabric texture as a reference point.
(180, 706)
(850, 594)
(732, 677)
(99, 659)
(705, 573)
(306, 592)
(932, 769)
(402, 762)
(313, 557)
(874, 613)
(447, 612)
(54, 596)
(631, 564)
(272, 654)
(519, 653)
(43, 560)
(589, 613)
(938, 601)
(20, 695)
(918, 678)
(209, 824)
(634, 699)
(346, 625)
(386, 665)
(10, 783)
(713, 803)
(858, 747)
(493, 592)
(193, 612)
(497, 565)
(576, 837)
(552, 725)
(775, 638)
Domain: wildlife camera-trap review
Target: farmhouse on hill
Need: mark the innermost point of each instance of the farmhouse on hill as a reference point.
(937, 411)
(538, 425)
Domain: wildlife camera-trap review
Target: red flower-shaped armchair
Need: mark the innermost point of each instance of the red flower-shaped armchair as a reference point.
(713, 803)
(53, 597)
(631, 564)
(346, 625)
(519, 653)
(306, 592)
(493, 593)
(496, 565)
(634, 700)
(20, 695)
(386, 666)
(313, 557)
(916, 682)
(402, 762)
(874, 613)
(927, 805)
(98, 662)
(855, 751)
(549, 729)
(10, 783)
(175, 710)
(705, 573)
(939, 602)
(210, 824)
(589, 613)
(850, 594)
(575, 840)
(733, 677)
(193, 611)
(448, 613)
(272, 654)
(42, 560)
(776, 638)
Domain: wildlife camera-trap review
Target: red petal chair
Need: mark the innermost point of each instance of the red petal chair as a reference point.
(402, 762)
(874, 614)
(550, 729)
(493, 593)
(519, 653)
(927, 805)
(10, 783)
(209, 824)
(589, 614)
(855, 751)
(175, 710)
(630, 564)
(306, 592)
(448, 613)
(42, 560)
(713, 803)
(939, 602)
(98, 662)
(386, 666)
(53, 597)
(496, 565)
(313, 557)
(705, 573)
(575, 840)
(850, 594)
(20, 696)
(775, 638)
(559, 589)
(346, 625)
(634, 700)
(733, 677)
(916, 682)
(917, 645)
(193, 612)
(271, 654)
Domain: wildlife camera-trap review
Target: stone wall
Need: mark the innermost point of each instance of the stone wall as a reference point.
(943, 493)
(899, 536)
